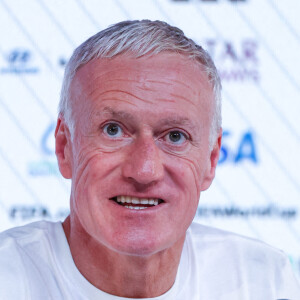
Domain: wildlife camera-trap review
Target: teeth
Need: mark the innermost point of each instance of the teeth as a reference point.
(144, 201)
(135, 200)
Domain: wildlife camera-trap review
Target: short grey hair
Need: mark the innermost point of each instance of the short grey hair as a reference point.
(140, 38)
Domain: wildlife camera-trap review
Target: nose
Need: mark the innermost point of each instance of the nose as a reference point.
(143, 165)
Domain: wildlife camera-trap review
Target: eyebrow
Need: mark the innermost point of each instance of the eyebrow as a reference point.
(115, 114)
(178, 120)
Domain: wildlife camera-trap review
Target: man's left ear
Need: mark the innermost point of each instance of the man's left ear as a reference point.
(212, 163)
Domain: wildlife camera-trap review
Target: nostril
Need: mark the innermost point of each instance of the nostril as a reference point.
(143, 166)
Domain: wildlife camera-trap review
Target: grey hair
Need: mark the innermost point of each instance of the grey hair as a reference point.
(140, 38)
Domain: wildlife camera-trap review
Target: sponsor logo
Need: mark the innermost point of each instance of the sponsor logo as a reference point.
(234, 211)
(47, 140)
(47, 166)
(20, 213)
(244, 150)
(43, 168)
(62, 61)
(235, 61)
(19, 61)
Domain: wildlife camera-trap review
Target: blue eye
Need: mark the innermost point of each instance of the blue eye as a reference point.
(113, 130)
(176, 137)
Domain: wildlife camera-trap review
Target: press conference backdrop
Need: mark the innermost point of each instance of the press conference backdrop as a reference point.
(256, 47)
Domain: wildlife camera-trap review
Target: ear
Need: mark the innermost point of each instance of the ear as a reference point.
(212, 163)
(63, 148)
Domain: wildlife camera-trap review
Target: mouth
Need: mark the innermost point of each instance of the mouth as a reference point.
(136, 203)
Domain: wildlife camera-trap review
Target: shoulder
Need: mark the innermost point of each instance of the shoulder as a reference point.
(18, 241)
(28, 242)
(230, 241)
(237, 250)
(26, 235)
(22, 251)
(236, 262)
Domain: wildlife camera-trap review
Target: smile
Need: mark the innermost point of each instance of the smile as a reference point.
(136, 203)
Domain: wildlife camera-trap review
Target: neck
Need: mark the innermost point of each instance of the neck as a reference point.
(120, 274)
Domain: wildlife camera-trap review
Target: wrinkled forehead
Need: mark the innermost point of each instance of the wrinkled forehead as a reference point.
(165, 77)
(169, 65)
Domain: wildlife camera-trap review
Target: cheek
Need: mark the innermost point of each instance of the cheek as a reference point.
(92, 169)
(90, 190)
(88, 166)
(187, 173)
(97, 160)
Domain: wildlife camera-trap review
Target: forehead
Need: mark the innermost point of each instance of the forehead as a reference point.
(171, 81)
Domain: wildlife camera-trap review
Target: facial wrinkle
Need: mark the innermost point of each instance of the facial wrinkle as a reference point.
(144, 88)
(82, 162)
(132, 95)
(180, 83)
(166, 83)
(183, 98)
(192, 166)
(77, 191)
(121, 92)
(170, 82)
(159, 82)
(166, 100)
(136, 82)
(193, 169)
(195, 174)
(121, 79)
(105, 75)
(116, 99)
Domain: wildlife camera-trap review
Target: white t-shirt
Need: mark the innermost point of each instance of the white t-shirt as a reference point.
(36, 263)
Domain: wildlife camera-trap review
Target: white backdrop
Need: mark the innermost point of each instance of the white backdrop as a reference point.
(256, 47)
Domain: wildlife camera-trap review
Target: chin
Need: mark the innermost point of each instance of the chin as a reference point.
(134, 245)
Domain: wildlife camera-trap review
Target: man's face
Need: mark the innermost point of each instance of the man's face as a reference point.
(141, 136)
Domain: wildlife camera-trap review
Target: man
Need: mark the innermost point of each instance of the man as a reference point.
(139, 134)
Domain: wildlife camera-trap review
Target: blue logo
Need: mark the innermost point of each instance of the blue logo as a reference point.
(19, 61)
(48, 165)
(45, 141)
(62, 61)
(245, 150)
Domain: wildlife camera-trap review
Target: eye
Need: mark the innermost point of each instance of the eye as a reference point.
(176, 137)
(113, 130)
